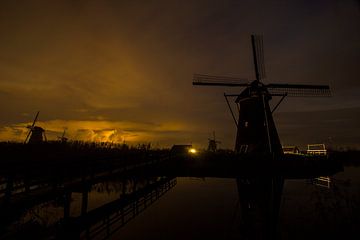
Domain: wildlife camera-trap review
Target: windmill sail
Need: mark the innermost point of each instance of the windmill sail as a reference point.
(209, 80)
(258, 54)
(31, 127)
(299, 90)
(27, 136)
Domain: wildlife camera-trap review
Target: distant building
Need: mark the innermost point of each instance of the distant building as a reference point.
(316, 149)
(291, 150)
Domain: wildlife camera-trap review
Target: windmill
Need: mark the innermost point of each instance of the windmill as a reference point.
(63, 138)
(259, 195)
(256, 130)
(213, 143)
(36, 134)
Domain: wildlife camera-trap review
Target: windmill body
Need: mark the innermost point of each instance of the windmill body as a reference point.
(37, 135)
(256, 131)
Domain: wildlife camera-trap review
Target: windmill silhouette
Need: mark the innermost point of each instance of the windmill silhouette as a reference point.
(257, 137)
(63, 139)
(36, 134)
(256, 130)
(213, 143)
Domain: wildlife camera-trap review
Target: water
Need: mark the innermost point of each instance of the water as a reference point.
(194, 208)
(209, 208)
(313, 211)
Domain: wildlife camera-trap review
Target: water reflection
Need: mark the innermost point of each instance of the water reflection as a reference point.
(313, 211)
(207, 208)
(260, 200)
(87, 210)
(103, 221)
(323, 181)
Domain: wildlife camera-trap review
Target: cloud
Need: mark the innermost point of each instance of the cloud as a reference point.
(99, 131)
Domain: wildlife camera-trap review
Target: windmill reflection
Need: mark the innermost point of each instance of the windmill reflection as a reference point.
(260, 200)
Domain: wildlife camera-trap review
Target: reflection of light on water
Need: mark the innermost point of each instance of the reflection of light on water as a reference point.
(51, 212)
(327, 210)
(322, 181)
(124, 210)
(44, 214)
(18, 186)
(106, 192)
(307, 205)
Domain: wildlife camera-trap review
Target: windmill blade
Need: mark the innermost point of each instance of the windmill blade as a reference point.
(44, 136)
(31, 127)
(258, 55)
(28, 135)
(299, 90)
(208, 80)
(35, 119)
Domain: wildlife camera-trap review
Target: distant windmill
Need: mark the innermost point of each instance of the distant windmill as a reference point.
(63, 138)
(213, 143)
(36, 134)
(256, 131)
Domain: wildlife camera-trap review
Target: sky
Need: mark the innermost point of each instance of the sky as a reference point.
(122, 70)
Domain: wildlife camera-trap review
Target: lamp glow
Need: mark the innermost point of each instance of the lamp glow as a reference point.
(192, 150)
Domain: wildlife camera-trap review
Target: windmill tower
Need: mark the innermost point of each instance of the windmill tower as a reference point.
(256, 130)
(213, 143)
(36, 134)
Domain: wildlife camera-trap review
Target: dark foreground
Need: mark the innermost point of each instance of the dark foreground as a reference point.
(95, 193)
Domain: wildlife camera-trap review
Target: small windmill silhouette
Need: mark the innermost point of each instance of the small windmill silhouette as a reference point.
(63, 138)
(213, 143)
(36, 134)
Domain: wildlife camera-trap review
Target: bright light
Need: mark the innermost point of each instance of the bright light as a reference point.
(192, 150)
